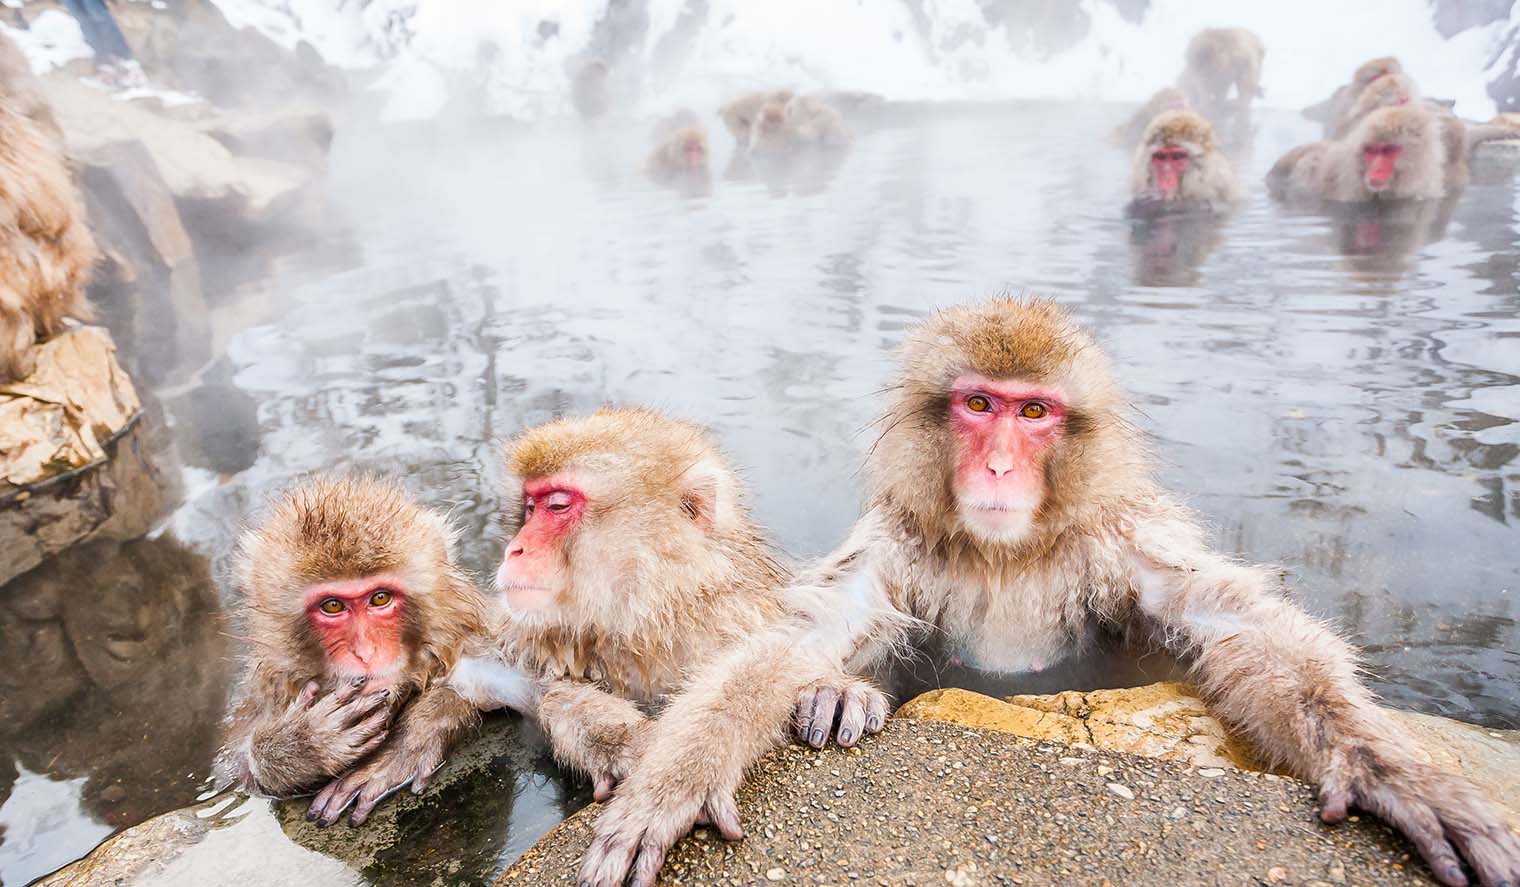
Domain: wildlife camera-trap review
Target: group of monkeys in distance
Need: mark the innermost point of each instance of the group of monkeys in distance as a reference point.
(1383, 141)
(653, 630)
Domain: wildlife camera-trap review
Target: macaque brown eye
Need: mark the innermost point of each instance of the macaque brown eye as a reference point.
(332, 606)
(558, 502)
(1033, 410)
(976, 403)
(380, 598)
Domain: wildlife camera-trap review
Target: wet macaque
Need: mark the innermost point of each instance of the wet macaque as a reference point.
(1012, 507)
(1129, 133)
(1392, 154)
(681, 156)
(1177, 166)
(771, 136)
(1388, 91)
(1219, 59)
(740, 113)
(1331, 111)
(588, 92)
(814, 124)
(355, 615)
(632, 564)
(45, 241)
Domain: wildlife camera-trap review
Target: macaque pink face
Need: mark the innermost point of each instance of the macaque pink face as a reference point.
(1167, 166)
(1378, 161)
(358, 622)
(694, 154)
(534, 569)
(1004, 430)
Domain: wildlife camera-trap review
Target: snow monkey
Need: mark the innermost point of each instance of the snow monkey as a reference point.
(46, 250)
(1217, 59)
(1129, 133)
(355, 614)
(680, 156)
(1331, 111)
(1177, 166)
(1394, 153)
(740, 112)
(1012, 506)
(632, 563)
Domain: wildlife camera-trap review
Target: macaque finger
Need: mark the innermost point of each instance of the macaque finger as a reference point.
(359, 707)
(804, 714)
(723, 814)
(608, 860)
(852, 717)
(372, 743)
(424, 777)
(825, 704)
(337, 804)
(647, 866)
(368, 799)
(320, 801)
(307, 696)
(876, 711)
(1423, 828)
(601, 790)
(1495, 864)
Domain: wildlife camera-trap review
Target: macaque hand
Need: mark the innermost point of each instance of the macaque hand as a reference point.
(843, 706)
(645, 820)
(1443, 815)
(341, 727)
(614, 764)
(372, 783)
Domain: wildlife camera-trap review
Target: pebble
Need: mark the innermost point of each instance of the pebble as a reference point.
(1104, 769)
(1178, 812)
(1210, 772)
(1122, 791)
(1277, 874)
(776, 874)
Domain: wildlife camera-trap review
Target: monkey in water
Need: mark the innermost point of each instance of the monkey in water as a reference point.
(740, 112)
(1129, 133)
(1178, 167)
(632, 564)
(1012, 506)
(1218, 59)
(681, 158)
(46, 249)
(1332, 111)
(355, 615)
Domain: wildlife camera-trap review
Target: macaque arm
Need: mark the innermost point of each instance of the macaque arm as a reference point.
(425, 731)
(1291, 684)
(727, 718)
(593, 731)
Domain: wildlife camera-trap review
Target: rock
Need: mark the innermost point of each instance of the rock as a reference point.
(202, 174)
(1495, 162)
(295, 135)
(1167, 721)
(901, 820)
(147, 287)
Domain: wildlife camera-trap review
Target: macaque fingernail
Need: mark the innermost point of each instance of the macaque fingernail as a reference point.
(817, 737)
(846, 737)
(359, 681)
(873, 724)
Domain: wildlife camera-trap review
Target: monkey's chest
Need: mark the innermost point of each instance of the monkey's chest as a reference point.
(1012, 624)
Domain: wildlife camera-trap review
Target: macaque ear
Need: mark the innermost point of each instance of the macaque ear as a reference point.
(699, 496)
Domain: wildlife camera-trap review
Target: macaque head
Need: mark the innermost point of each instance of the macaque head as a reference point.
(1004, 406)
(739, 113)
(691, 144)
(770, 128)
(349, 578)
(1373, 69)
(1399, 152)
(600, 501)
(1379, 160)
(1168, 98)
(1172, 144)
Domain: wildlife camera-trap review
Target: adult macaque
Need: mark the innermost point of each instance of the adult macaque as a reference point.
(1331, 111)
(740, 112)
(44, 238)
(816, 125)
(1129, 133)
(1393, 154)
(1177, 167)
(1217, 60)
(1013, 508)
(355, 614)
(632, 564)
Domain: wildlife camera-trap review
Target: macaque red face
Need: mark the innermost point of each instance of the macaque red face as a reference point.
(359, 624)
(1004, 430)
(694, 154)
(1167, 166)
(1378, 161)
(534, 569)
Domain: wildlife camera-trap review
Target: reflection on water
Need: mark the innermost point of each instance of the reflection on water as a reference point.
(1338, 395)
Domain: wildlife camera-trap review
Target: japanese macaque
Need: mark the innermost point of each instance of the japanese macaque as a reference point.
(355, 615)
(681, 157)
(1217, 60)
(1177, 167)
(740, 112)
(46, 250)
(816, 125)
(1012, 507)
(1129, 133)
(588, 92)
(632, 564)
(1387, 91)
(1331, 111)
(1393, 154)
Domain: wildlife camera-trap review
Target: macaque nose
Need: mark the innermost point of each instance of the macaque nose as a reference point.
(1000, 464)
(514, 551)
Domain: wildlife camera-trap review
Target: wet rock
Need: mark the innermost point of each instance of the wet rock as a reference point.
(147, 287)
(896, 811)
(1168, 721)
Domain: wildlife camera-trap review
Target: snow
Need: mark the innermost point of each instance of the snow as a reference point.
(53, 40)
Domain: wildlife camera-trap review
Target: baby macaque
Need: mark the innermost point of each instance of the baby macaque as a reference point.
(681, 158)
(1177, 167)
(1388, 91)
(633, 563)
(1129, 133)
(1217, 60)
(1013, 509)
(45, 241)
(1392, 154)
(1331, 111)
(355, 614)
(739, 113)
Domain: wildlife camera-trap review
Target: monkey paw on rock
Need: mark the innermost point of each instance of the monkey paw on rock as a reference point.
(1443, 815)
(843, 706)
(644, 821)
(372, 783)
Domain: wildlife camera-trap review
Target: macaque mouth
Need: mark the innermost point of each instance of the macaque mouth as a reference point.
(1378, 160)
